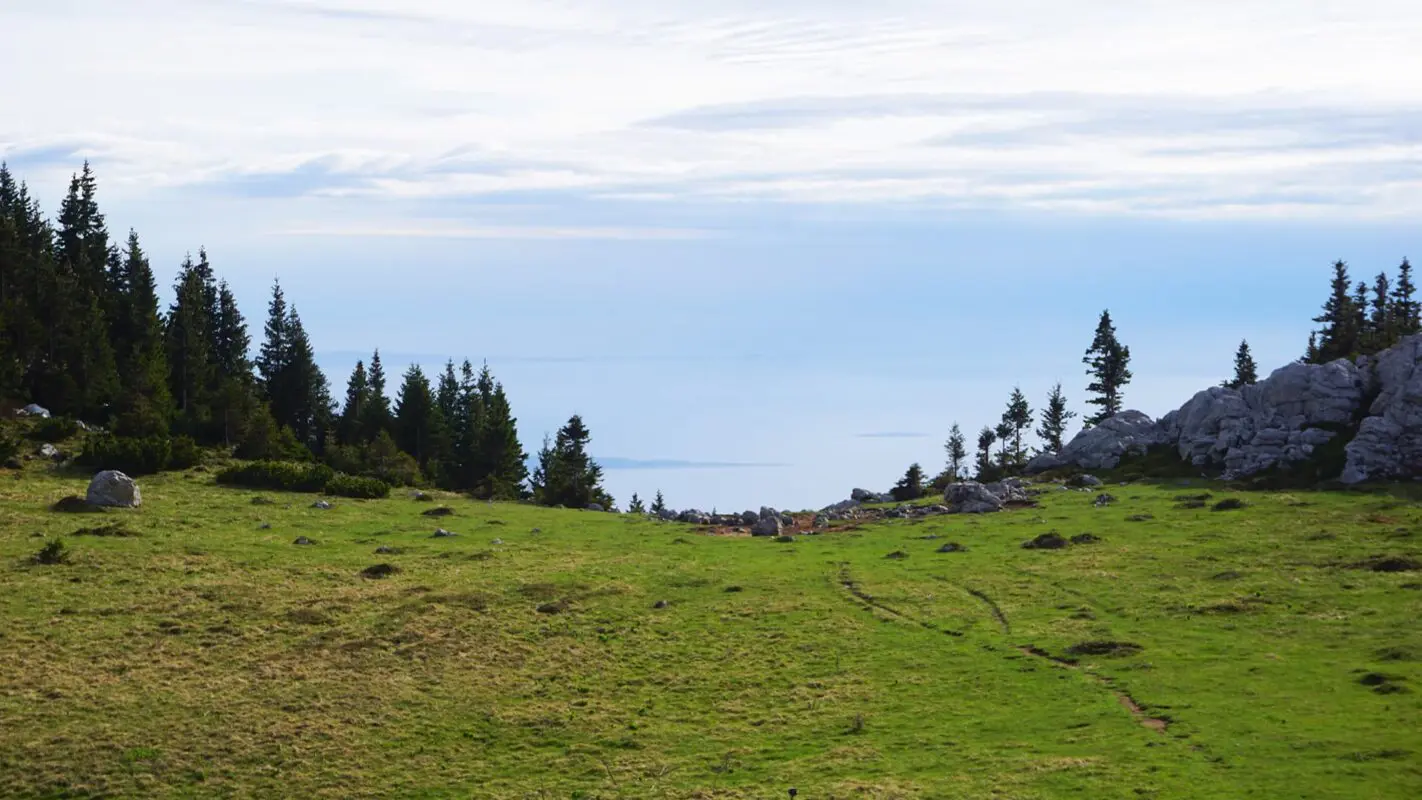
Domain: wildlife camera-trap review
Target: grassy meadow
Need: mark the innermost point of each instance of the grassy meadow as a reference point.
(191, 649)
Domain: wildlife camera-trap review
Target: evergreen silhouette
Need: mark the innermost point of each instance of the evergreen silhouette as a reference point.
(956, 449)
(1108, 365)
(910, 486)
(1018, 418)
(1055, 418)
(1245, 371)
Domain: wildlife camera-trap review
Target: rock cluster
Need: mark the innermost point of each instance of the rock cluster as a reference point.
(1280, 421)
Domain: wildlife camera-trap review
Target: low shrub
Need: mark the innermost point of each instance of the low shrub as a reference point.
(74, 504)
(54, 429)
(361, 488)
(184, 453)
(278, 475)
(9, 447)
(129, 455)
(52, 553)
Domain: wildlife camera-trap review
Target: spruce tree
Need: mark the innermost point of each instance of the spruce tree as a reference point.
(1108, 365)
(231, 342)
(635, 506)
(1338, 336)
(1311, 354)
(910, 486)
(447, 395)
(415, 413)
(1245, 371)
(500, 448)
(1018, 417)
(986, 439)
(190, 358)
(142, 359)
(308, 391)
(659, 504)
(1003, 432)
(570, 476)
(275, 353)
(1381, 328)
(377, 411)
(348, 428)
(1362, 330)
(1055, 418)
(956, 449)
(1406, 314)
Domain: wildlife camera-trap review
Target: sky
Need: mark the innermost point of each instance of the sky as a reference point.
(770, 251)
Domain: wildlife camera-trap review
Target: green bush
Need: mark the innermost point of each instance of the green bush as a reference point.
(132, 456)
(184, 453)
(353, 486)
(9, 447)
(279, 475)
(54, 429)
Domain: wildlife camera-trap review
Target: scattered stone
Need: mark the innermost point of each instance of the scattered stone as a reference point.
(265, 526)
(749, 518)
(302, 540)
(441, 533)
(1083, 481)
(897, 555)
(322, 505)
(767, 526)
(862, 496)
(421, 497)
(661, 604)
(1046, 541)
(595, 507)
(1103, 500)
(1229, 504)
(970, 497)
(536, 530)
(952, 547)
(1085, 538)
(112, 488)
(33, 410)
(441, 511)
(50, 452)
(387, 550)
(497, 541)
(380, 571)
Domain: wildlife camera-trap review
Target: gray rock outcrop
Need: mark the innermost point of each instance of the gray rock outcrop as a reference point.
(970, 497)
(1389, 440)
(113, 489)
(1280, 421)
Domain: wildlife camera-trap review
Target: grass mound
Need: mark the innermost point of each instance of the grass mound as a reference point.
(114, 530)
(74, 504)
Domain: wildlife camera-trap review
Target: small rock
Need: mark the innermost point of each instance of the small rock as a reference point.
(33, 410)
(536, 530)
(1103, 500)
(302, 540)
(441, 533)
(767, 526)
(970, 497)
(265, 526)
(421, 497)
(321, 504)
(1047, 541)
(660, 604)
(386, 550)
(595, 507)
(497, 541)
(952, 547)
(50, 452)
(1085, 538)
(1083, 481)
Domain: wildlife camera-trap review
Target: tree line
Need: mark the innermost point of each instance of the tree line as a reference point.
(83, 334)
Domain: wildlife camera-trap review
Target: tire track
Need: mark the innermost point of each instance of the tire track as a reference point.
(867, 600)
(1157, 724)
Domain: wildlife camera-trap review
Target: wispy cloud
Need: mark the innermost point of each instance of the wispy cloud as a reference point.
(671, 463)
(1170, 112)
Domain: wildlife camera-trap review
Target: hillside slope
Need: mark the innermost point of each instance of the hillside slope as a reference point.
(1189, 653)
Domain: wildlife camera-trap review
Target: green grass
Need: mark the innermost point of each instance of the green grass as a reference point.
(203, 655)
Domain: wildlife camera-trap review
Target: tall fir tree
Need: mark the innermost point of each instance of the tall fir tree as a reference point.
(910, 486)
(986, 439)
(415, 415)
(569, 475)
(1406, 314)
(1380, 334)
(189, 344)
(1108, 364)
(1055, 418)
(309, 393)
(1337, 338)
(275, 353)
(956, 450)
(1003, 432)
(635, 506)
(1018, 417)
(141, 356)
(1245, 370)
(378, 416)
(231, 341)
(349, 428)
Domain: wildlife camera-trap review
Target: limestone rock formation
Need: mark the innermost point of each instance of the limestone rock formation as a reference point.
(115, 489)
(970, 497)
